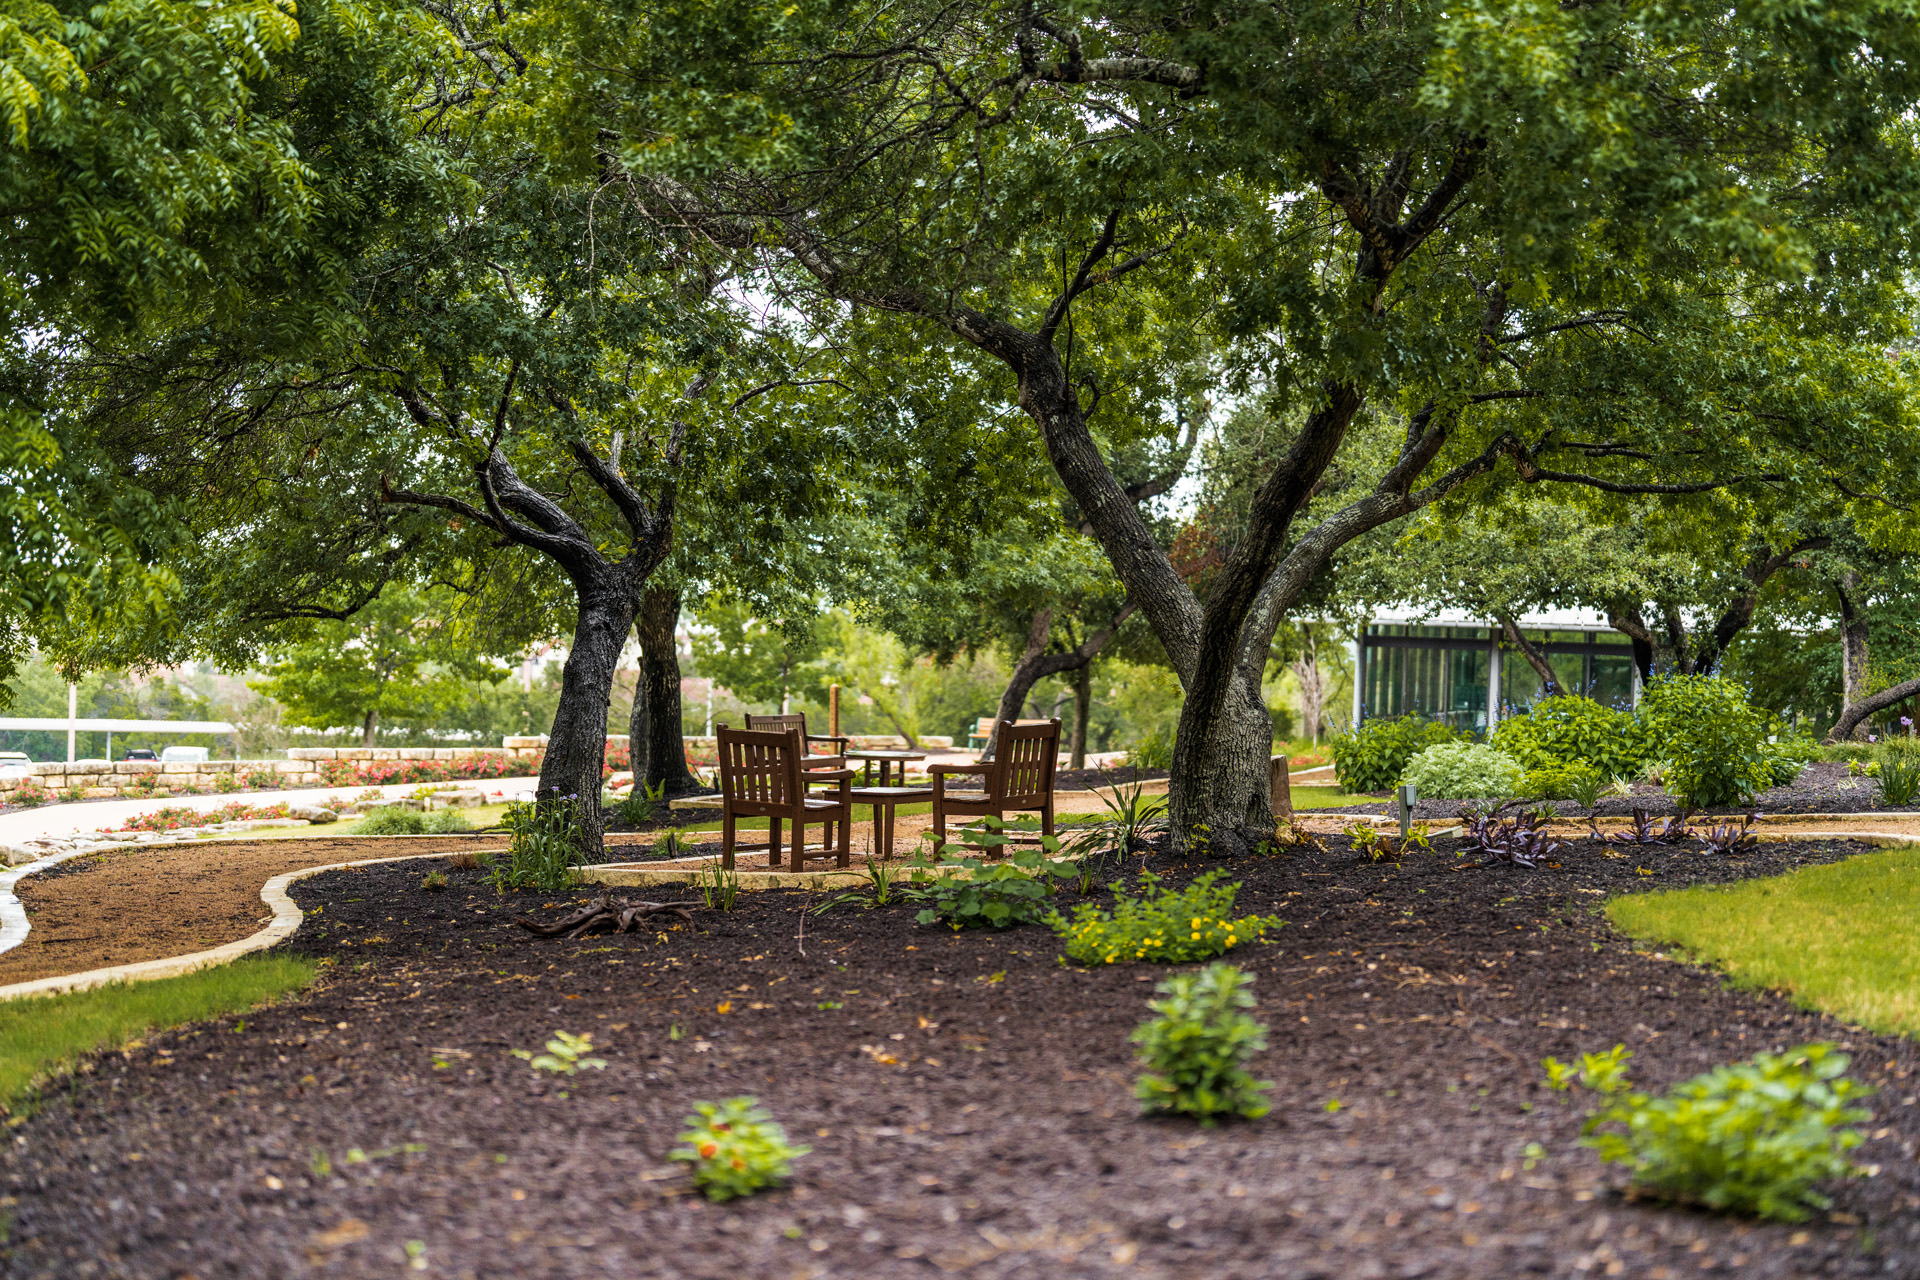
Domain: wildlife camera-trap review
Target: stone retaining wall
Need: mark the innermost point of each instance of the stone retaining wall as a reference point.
(101, 779)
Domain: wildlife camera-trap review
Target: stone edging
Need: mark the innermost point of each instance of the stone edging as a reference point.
(286, 918)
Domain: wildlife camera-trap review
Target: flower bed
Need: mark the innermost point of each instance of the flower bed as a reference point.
(377, 773)
(175, 817)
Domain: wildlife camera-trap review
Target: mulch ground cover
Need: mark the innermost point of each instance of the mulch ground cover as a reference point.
(1822, 787)
(968, 1098)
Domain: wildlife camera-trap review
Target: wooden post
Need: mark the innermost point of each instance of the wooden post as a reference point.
(833, 710)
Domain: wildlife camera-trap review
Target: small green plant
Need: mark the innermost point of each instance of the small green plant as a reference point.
(1131, 817)
(392, 820)
(879, 890)
(566, 1054)
(225, 783)
(967, 890)
(1713, 739)
(736, 1149)
(1563, 782)
(1167, 926)
(546, 846)
(1196, 1050)
(637, 809)
(1373, 757)
(1750, 1137)
(718, 886)
(434, 881)
(1863, 768)
(1464, 771)
(1899, 780)
(442, 821)
(71, 794)
(1152, 751)
(260, 779)
(1569, 729)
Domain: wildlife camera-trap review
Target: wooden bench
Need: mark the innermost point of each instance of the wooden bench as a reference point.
(981, 734)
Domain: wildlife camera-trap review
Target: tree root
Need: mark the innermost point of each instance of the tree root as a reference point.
(604, 913)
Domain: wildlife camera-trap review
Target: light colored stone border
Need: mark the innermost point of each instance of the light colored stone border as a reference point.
(286, 918)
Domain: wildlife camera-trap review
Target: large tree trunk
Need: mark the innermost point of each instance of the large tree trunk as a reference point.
(368, 729)
(638, 735)
(660, 682)
(577, 743)
(1082, 710)
(1852, 721)
(1853, 653)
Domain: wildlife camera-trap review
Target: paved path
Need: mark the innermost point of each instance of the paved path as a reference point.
(60, 819)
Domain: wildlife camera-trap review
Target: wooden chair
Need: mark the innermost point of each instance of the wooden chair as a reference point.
(1019, 779)
(761, 776)
(780, 724)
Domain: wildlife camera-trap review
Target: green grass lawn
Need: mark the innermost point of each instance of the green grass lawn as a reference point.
(1840, 938)
(1326, 798)
(45, 1035)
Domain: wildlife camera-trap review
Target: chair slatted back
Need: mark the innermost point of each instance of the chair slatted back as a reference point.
(760, 767)
(1023, 762)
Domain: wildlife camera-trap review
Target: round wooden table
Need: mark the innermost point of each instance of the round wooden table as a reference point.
(886, 760)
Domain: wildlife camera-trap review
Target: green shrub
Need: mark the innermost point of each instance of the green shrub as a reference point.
(391, 820)
(1713, 740)
(29, 795)
(546, 846)
(735, 1148)
(1563, 782)
(225, 783)
(1788, 754)
(1196, 1051)
(967, 890)
(1154, 751)
(1567, 729)
(1464, 771)
(1899, 780)
(1373, 757)
(441, 821)
(1845, 751)
(261, 779)
(1753, 1137)
(1165, 926)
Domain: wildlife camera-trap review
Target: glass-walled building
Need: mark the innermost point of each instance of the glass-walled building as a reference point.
(1460, 670)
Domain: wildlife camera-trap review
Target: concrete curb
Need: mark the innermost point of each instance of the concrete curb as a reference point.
(286, 918)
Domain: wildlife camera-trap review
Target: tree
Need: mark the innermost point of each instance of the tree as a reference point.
(137, 177)
(761, 661)
(392, 660)
(523, 377)
(1572, 251)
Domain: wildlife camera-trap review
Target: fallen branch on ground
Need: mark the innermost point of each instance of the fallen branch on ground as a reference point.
(603, 912)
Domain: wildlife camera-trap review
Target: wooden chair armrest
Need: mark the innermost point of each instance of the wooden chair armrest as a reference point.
(978, 767)
(830, 775)
(840, 738)
(811, 763)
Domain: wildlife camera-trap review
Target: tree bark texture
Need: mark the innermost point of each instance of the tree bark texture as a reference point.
(367, 730)
(1036, 664)
(660, 681)
(608, 591)
(1082, 711)
(1853, 717)
(1535, 659)
(639, 736)
(1853, 655)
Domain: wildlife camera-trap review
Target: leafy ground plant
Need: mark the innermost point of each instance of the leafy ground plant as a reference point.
(1196, 1050)
(566, 1054)
(1520, 839)
(736, 1149)
(1751, 1137)
(1899, 780)
(718, 886)
(968, 889)
(1464, 771)
(1131, 818)
(545, 848)
(1168, 926)
(1373, 756)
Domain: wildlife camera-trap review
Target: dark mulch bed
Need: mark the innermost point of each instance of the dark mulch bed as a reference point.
(662, 819)
(968, 1098)
(1820, 788)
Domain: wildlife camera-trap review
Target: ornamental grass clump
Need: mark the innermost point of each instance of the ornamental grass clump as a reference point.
(1196, 1050)
(1751, 1137)
(1165, 926)
(736, 1149)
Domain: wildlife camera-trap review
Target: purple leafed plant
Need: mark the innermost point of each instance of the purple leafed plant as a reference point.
(1730, 839)
(1646, 831)
(1518, 839)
